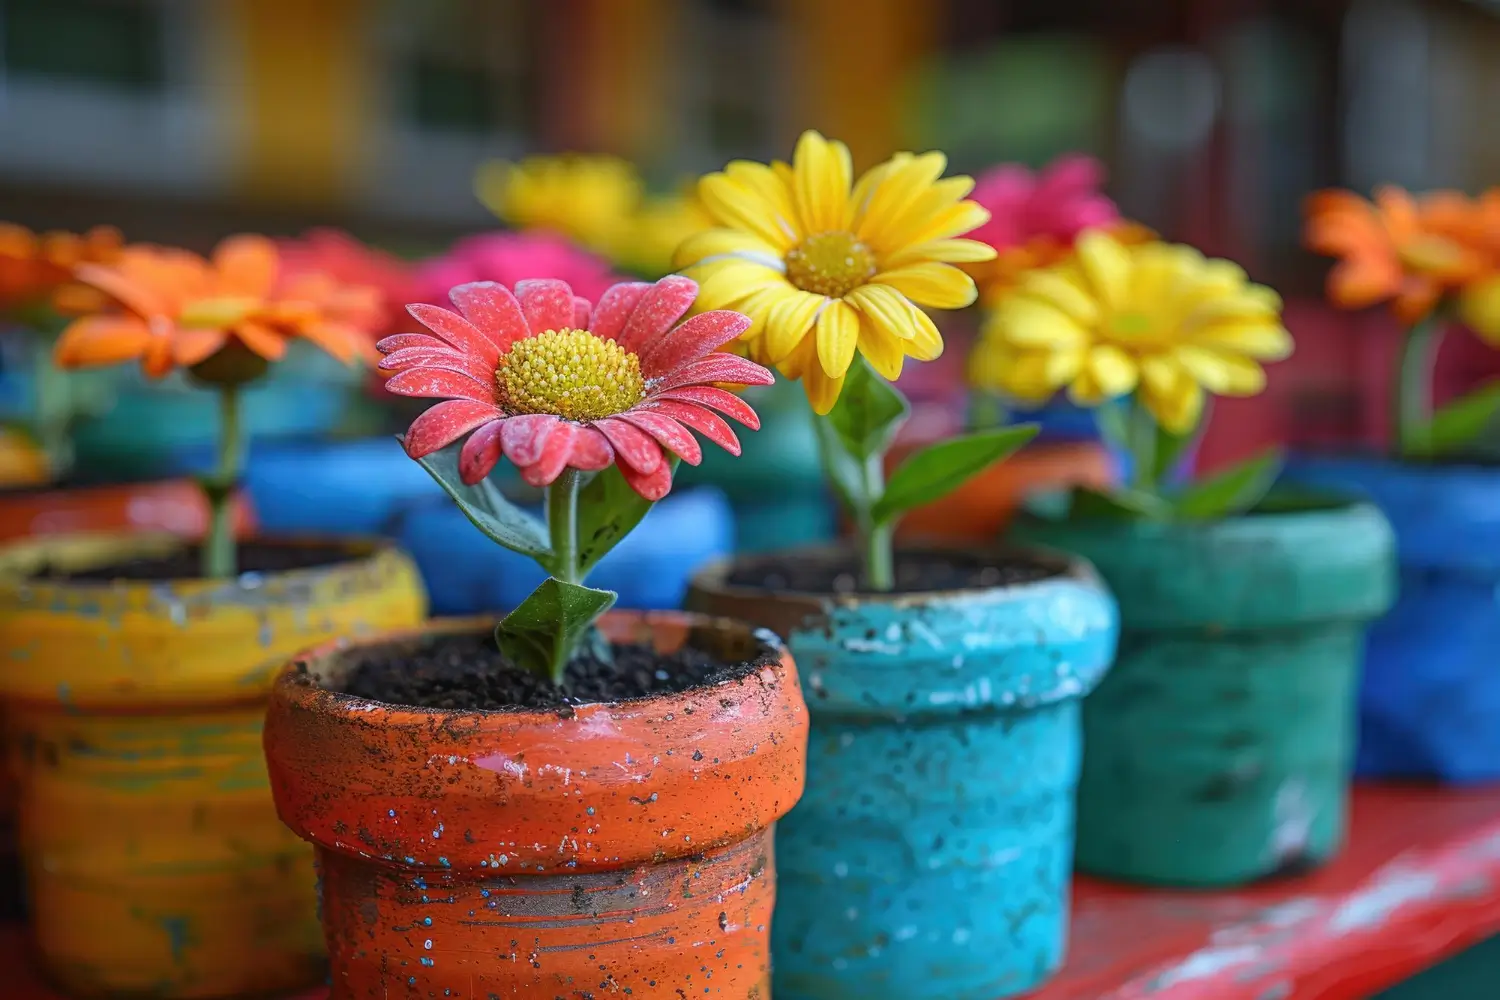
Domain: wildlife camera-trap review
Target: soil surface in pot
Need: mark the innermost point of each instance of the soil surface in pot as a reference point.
(917, 572)
(469, 672)
(186, 563)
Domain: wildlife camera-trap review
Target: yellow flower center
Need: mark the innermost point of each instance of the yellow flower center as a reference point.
(1430, 254)
(216, 314)
(832, 264)
(570, 373)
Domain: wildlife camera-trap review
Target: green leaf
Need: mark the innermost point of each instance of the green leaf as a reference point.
(608, 510)
(1232, 491)
(869, 412)
(939, 469)
(484, 505)
(542, 634)
(1458, 424)
(843, 472)
(1168, 452)
(1119, 504)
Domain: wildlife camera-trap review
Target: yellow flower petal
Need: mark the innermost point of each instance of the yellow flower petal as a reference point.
(882, 217)
(1030, 322)
(712, 244)
(885, 352)
(940, 286)
(822, 391)
(1266, 341)
(1176, 410)
(944, 251)
(722, 284)
(886, 308)
(1106, 264)
(1112, 370)
(1221, 373)
(791, 320)
(926, 341)
(1479, 308)
(837, 337)
(822, 172)
(1053, 288)
(739, 206)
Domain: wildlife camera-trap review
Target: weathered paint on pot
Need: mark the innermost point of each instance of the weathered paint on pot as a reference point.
(1429, 704)
(174, 506)
(154, 861)
(1220, 745)
(617, 849)
(979, 510)
(931, 856)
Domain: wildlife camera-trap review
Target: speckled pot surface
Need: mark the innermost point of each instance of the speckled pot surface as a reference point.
(154, 862)
(1220, 745)
(930, 858)
(618, 849)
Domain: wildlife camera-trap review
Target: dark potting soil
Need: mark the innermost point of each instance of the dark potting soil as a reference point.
(917, 572)
(469, 672)
(185, 563)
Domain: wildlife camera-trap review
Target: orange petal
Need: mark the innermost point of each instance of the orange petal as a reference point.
(1399, 211)
(261, 339)
(157, 361)
(341, 340)
(1417, 298)
(246, 265)
(192, 346)
(102, 340)
(1363, 281)
(137, 296)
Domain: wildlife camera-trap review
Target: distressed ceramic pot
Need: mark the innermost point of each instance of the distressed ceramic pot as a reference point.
(931, 855)
(613, 850)
(173, 506)
(1429, 705)
(979, 510)
(154, 861)
(1220, 745)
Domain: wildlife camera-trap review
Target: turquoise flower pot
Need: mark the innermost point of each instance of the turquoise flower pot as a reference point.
(930, 857)
(1220, 746)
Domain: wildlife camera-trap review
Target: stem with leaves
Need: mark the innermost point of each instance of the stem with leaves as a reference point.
(1412, 416)
(219, 560)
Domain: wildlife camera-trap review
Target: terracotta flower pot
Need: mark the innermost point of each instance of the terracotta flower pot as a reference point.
(931, 857)
(980, 509)
(154, 861)
(176, 506)
(619, 850)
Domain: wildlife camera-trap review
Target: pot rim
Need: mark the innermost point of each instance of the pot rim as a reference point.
(1068, 568)
(303, 691)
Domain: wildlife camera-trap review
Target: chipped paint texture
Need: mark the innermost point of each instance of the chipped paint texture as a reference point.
(155, 863)
(623, 849)
(931, 856)
(1221, 742)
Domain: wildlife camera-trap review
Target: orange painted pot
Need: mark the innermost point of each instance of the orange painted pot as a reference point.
(620, 849)
(980, 509)
(153, 859)
(176, 506)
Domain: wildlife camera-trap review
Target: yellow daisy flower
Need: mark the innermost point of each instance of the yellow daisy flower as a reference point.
(661, 225)
(825, 265)
(1158, 319)
(588, 199)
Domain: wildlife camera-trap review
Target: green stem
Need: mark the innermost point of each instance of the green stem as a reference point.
(1413, 400)
(1142, 448)
(562, 525)
(54, 408)
(219, 547)
(877, 541)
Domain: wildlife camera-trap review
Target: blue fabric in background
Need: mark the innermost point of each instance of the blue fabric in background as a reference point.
(1430, 701)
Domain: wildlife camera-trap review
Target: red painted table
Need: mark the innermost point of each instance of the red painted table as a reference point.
(1419, 882)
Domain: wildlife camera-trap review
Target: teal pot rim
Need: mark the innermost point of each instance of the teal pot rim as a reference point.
(1004, 648)
(1318, 562)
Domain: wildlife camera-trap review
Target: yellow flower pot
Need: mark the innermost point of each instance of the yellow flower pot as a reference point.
(154, 860)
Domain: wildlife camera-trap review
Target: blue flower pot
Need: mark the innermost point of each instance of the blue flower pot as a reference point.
(1220, 745)
(930, 857)
(334, 488)
(1429, 706)
(467, 574)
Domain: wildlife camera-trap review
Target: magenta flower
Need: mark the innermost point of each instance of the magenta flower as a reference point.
(551, 383)
(1054, 204)
(510, 258)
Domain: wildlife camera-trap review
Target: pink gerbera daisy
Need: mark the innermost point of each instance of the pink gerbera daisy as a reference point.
(550, 382)
(1056, 203)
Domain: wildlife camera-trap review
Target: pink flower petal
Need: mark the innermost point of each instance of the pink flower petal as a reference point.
(493, 310)
(455, 330)
(1069, 177)
(409, 358)
(668, 433)
(632, 446)
(548, 304)
(581, 309)
(591, 449)
(441, 384)
(704, 421)
(725, 402)
(658, 309)
(447, 422)
(651, 485)
(526, 435)
(716, 368)
(554, 456)
(480, 453)
(615, 307)
(700, 335)
(401, 341)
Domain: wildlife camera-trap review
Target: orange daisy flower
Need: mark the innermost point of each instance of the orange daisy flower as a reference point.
(173, 308)
(37, 267)
(1397, 248)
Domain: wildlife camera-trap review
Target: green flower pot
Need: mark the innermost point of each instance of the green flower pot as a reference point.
(1219, 749)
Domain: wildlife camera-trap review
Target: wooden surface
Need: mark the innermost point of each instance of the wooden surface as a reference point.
(1419, 882)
